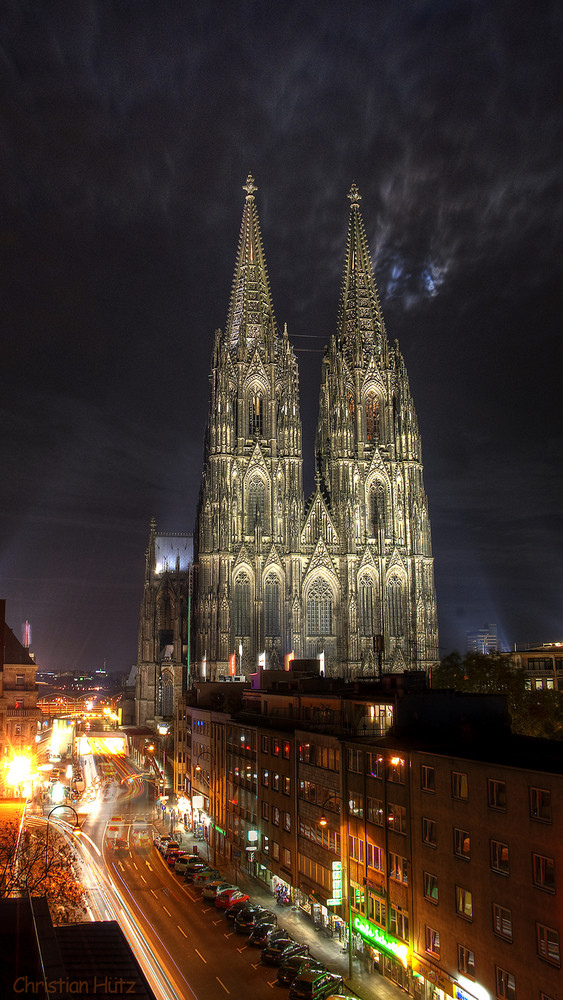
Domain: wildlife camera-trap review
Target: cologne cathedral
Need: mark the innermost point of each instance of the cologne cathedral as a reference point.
(347, 575)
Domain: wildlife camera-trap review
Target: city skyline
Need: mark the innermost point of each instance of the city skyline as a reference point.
(126, 144)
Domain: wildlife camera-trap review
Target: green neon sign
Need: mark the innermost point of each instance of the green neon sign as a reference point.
(377, 938)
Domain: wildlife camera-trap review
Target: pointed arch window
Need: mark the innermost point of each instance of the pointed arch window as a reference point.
(272, 617)
(256, 505)
(365, 600)
(377, 509)
(255, 415)
(242, 605)
(319, 609)
(395, 599)
(351, 405)
(167, 696)
(372, 418)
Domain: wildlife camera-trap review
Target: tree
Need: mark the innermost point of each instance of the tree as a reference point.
(534, 713)
(40, 862)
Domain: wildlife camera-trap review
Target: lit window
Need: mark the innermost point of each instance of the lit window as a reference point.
(459, 786)
(464, 903)
(499, 857)
(432, 941)
(462, 844)
(466, 960)
(540, 804)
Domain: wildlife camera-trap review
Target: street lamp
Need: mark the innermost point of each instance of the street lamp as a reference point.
(76, 828)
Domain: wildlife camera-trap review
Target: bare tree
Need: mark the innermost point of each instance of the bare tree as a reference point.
(40, 862)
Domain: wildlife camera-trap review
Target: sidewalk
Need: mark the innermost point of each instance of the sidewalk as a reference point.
(298, 923)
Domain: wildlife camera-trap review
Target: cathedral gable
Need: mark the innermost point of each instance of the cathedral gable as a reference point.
(256, 462)
(273, 558)
(256, 373)
(321, 560)
(242, 558)
(396, 562)
(367, 560)
(318, 523)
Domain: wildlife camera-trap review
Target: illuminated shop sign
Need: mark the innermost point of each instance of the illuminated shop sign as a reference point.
(377, 938)
(336, 884)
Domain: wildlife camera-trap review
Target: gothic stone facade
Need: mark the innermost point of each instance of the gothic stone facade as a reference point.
(162, 657)
(276, 573)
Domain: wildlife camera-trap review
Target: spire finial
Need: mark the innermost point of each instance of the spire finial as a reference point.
(354, 195)
(250, 186)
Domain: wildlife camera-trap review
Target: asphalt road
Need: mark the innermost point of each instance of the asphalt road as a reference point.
(197, 949)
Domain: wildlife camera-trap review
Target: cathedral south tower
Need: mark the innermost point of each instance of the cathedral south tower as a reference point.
(251, 501)
(369, 463)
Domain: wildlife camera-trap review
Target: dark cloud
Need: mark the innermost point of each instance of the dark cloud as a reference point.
(126, 132)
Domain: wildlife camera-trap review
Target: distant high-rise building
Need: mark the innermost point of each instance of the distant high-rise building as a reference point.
(483, 640)
(349, 571)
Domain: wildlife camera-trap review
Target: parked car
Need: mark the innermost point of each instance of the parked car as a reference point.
(224, 898)
(203, 876)
(182, 862)
(295, 966)
(245, 921)
(315, 986)
(212, 888)
(172, 857)
(274, 952)
(265, 932)
(162, 838)
(235, 908)
(172, 845)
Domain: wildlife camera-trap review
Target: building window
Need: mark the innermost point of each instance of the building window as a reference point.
(286, 748)
(356, 849)
(375, 811)
(256, 505)
(398, 923)
(427, 778)
(365, 602)
(502, 921)
(272, 618)
(374, 856)
(286, 857)
(429, 836)
(496, 791)
(356, 805)
(459, 786)
(265, 778)
(548, 944)
(286, 787)
(255, 415)
(398, 868)
(287, 821)
(319, 609)
(372, 418)
(265, 810)
(432, 941)
(540, 804)
(462, 844)
(377, 510)
(376, 910)
(466, 960)
(430, 887)
(499, 857)
(374, 765)
(464, 903)
(242, 605)
(506, 984)
(275, 851)
(543, 872)
(397, 818)
(276, 748)
(354, 758)
(275, 782)
(265, 744)
(396, 770)
(275, 816)
(395, 597)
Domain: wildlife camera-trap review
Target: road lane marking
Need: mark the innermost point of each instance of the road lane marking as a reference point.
(136, 865)
(148, 866)
(255, 966)
(167, 911)
(200, 955)
(154, 894)
(215, 922)
(275, 983)
(223, 985)
(182, 930)
(228, 934)
(143, 878)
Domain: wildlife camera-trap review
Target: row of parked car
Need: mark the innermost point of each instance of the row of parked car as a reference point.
(307, 978)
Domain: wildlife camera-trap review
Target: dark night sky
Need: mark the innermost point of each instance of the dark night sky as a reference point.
(127, 131)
